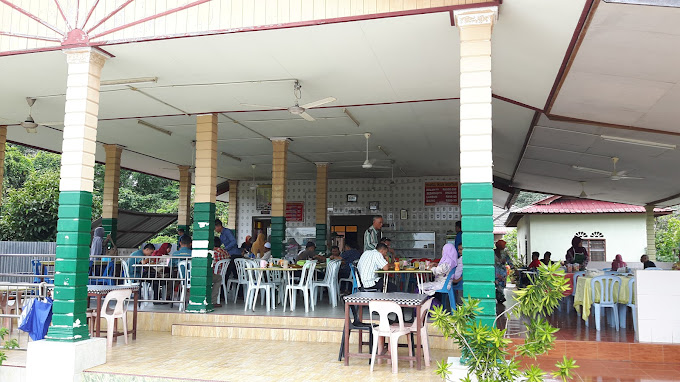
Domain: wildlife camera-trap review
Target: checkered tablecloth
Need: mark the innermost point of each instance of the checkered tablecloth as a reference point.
(104, 289)
(409, 299)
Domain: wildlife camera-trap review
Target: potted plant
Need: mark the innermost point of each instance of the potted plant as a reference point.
(486, 351)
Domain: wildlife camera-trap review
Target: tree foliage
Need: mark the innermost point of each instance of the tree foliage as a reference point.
(667, 238)
(30, 212)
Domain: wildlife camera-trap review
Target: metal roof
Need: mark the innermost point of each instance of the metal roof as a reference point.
(134, 228)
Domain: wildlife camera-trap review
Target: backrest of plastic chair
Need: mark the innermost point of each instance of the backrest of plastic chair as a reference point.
(126, 272)
(447, 283)
(425, 310)
(241, 265)
(225, 267)
(353, 271)
(631, 292)
(307, 273)
(576, 276)
(120, 296)
(653, 269)
(184, 272)
(275, 276)
(252, 277)
(607, 285)
(219, 265)
(383, 308)
(332, 269)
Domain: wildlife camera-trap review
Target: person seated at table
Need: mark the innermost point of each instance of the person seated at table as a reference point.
(218, 252)
(180, 234)
(136, 258)
(258, 246)
(268, 252)
(391, 254)
(647, 262)
(247, 245)
(163, 250)
(348, 256)
(447, 264)
(183, 252)
(535, 262)
(371, 261)
(577, 254)
(618, 263)
(546, 258)
(310, 253)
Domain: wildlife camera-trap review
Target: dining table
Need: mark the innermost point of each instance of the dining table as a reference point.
(420, 275)
(99, 291)
(289, 272)
(404, 300)
(583, 296)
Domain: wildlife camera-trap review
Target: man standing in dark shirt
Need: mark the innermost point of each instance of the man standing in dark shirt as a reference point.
(230, 245)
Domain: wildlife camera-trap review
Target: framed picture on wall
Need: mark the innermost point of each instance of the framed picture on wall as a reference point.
(373, 206)
(352, 198)
(403, 214)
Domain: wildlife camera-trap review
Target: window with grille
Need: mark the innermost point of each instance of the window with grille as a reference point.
(597, 248)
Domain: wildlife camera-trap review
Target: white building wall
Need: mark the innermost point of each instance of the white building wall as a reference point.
(625, 233)
(523, 236)
(405, 193)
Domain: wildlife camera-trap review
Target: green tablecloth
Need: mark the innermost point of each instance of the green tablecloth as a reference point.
(584, 296)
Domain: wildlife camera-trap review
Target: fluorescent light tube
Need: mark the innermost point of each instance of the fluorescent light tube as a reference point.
(638, 142)
(152, 126)
(128, 81)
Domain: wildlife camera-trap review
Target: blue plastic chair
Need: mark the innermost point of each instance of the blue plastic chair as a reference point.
(352, 272)
(448, 290)
(608, 284)
(108, 272)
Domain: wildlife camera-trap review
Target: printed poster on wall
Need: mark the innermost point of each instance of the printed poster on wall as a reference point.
(295, 211)
(441, 194)
(263, 197)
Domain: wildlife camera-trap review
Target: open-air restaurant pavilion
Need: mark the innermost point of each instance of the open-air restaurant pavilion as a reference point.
(334, 122)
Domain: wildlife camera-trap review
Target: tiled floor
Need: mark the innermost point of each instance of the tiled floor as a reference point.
(210, 359)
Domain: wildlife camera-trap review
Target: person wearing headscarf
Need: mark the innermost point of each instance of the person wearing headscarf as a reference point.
(247, 245)
(97, 246)
(447, 264)
(501, 259)
(577, 254)
(618, 263)
(258, 246)
(163, 250)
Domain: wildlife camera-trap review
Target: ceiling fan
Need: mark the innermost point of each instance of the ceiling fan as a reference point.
(297, 109)
(368, 163)
(29, 124)
(253, 186)
(613, 175)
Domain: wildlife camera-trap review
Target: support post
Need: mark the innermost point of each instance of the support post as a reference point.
(651, 233)
(233, 206)
(111, 187)
(279, 177)
(321, 206)
(204, 214)
(476, 172)
(75, 196)
(184, 208)
(3, 141)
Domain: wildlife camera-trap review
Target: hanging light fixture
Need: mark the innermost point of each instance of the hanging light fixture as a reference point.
(29, 124)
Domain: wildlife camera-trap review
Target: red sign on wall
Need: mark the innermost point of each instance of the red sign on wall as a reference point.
(441, 193)
(295, 211)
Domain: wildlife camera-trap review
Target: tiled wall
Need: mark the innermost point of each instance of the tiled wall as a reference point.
(658, 306)
(405, 193)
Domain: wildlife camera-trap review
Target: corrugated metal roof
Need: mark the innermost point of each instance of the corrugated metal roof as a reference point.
(134, 228)
(561, 205)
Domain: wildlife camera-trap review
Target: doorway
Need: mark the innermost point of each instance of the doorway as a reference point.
(350, 229)
(261, 224)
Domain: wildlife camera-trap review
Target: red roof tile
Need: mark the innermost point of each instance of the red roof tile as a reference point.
(561, 205)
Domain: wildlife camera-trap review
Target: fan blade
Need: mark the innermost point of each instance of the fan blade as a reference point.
(593, 170)
(264, 106)
(307, 116)
(631, 177)
(318, 103)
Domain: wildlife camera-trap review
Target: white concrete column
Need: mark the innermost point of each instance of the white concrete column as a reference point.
(651, 232)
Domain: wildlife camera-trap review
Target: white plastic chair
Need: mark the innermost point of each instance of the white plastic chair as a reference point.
(424, 312)
(220, 268)
(632, 304)
(119, 311)
(276, 278)
(608, 284)
(329, 281)
(303, 285)
(653, 269)
(576, 276)
(253, 285)
(384, 329)
(145, 289)
(184, 273)
(242, 278)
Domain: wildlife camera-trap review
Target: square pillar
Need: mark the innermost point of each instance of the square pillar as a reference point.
(204, 214)
(651, 233)
(233, 206)
(3, 141)
(279, 177)
(476, 165)
(111, 187)
(184, 208)
(321, 206)
(75, 196)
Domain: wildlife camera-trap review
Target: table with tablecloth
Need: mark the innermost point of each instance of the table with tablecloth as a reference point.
(583, 298)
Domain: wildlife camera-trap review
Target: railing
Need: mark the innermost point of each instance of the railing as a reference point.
(13, 297)
(160, 279)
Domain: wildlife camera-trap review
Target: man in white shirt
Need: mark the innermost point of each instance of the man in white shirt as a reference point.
(370, 262)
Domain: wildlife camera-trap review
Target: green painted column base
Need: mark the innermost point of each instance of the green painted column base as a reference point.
(479, 272)
(278, 235)
(321, 235)
(111, 227)
(200, 300)
(69, 322)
